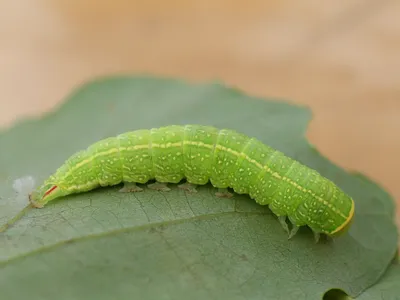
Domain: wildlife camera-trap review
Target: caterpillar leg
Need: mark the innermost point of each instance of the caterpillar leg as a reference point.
(282, 221)
(189, 187)
(293, 231)
(316, 237)
(130, 187)
(223, 193)
(159, 186)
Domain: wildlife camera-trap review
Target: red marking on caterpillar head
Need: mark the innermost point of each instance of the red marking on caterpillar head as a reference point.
(49, 191)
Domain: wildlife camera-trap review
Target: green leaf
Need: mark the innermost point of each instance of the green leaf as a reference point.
(172, 245)
(388, 288)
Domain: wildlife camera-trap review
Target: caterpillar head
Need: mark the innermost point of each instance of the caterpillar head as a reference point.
(342, 229)
(45, 193)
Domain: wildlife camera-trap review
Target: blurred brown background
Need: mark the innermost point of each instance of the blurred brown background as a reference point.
(339, 57)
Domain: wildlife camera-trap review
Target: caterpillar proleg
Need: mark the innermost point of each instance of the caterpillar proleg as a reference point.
(201, 154)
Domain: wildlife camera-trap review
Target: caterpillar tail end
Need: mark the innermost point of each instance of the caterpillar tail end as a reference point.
(45, 193)
(34, 203)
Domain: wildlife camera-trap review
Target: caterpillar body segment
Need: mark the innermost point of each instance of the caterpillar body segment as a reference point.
(202, 154)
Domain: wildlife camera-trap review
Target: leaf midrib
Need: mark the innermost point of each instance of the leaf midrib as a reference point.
(123, 230)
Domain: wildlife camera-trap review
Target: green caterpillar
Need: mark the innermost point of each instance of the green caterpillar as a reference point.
(201, 154)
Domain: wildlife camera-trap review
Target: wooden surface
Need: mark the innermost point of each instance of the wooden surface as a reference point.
(341, 58)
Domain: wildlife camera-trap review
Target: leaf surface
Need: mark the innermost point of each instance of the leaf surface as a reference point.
(387, 288)
(174, 245)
